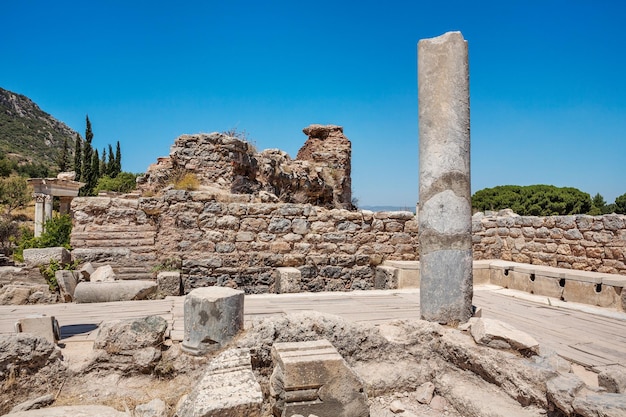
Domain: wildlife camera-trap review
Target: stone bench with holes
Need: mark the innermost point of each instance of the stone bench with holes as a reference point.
(586, 287)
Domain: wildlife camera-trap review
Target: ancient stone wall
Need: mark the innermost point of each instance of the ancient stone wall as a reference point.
(239, 243)
(320, 175)
(591, 243)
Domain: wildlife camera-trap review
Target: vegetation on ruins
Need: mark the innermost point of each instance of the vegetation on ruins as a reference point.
(57, 232)
(124, 182)
(545, 200)
(49, 272)
(185, 181)
(533, 200)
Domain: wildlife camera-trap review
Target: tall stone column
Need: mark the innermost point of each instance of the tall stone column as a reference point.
(40, 198)
(445, 217)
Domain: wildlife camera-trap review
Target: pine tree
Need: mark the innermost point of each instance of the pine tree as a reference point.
(64, 156)
(78, 156)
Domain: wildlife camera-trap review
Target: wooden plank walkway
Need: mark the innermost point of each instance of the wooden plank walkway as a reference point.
(589, 336)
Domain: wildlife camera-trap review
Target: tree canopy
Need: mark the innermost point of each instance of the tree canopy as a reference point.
(533, 200)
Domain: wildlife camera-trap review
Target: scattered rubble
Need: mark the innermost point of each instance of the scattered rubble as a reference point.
(405, 368)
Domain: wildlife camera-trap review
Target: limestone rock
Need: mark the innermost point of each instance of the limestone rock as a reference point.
(168, 283)
(34, 365)
(73, 411)
(500, 335)
(478, 398)
(605, 405)
(15, 294)
(155, 408)
(613, 379)
(34, 404)
(228, 388)
(42, 256)
(103, 274)
(312, 378)
(424, 394)
(86, 270)
(562, 390)
(122, 335)
(287, 280)
(129, 345)
(213, 316)
(522, 378)
(101, 292)
(396, 407)
(67, 281)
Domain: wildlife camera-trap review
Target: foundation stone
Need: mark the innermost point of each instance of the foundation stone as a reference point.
(313, 378)
(213, 316)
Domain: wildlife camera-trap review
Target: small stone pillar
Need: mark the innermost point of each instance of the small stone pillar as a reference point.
(39, 213)
(445, 209)
(64, 205)
(287, 280)
(47, 209)
(213, 316)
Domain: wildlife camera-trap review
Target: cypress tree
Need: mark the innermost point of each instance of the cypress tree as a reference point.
(95, 171)
(103, 162)
(63, 161)
(87, 154)
(118, 160)
(111, 162)
(78, 156)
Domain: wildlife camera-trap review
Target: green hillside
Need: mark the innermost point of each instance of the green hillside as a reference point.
(30, 135)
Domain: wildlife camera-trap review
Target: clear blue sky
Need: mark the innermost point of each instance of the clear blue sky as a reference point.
(547, 80)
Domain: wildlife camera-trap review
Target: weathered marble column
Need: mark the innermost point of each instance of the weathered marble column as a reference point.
(445, 217)
(39, 213)
(47, 209)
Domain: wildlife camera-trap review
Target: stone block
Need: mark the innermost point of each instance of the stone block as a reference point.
(500, 335)
(613, 379)
(312, 378)
(42, 256)
(67, 281)
(548, 286)
(103, 274)
(386, 278)
(86, 270)
(482, 272)
(228, 388)
(591, 293)
(213, 316)
(521, 281)
(101, 292)
(408, 273)
(287, 280)
(169, 282)
(39, 325)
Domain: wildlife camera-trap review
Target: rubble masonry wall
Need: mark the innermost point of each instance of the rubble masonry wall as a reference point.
(239, 244)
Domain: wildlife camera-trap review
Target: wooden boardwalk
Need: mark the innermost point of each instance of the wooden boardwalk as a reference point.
(589, 336)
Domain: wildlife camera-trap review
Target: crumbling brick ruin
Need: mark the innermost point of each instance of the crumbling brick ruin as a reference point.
(320, 174)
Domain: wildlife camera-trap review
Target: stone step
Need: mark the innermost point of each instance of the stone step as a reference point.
(117, 234)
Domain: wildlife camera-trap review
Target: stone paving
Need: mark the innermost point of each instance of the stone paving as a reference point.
(592, 337)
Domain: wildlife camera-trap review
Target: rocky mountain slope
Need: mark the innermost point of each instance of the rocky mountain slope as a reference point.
(29, 134)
